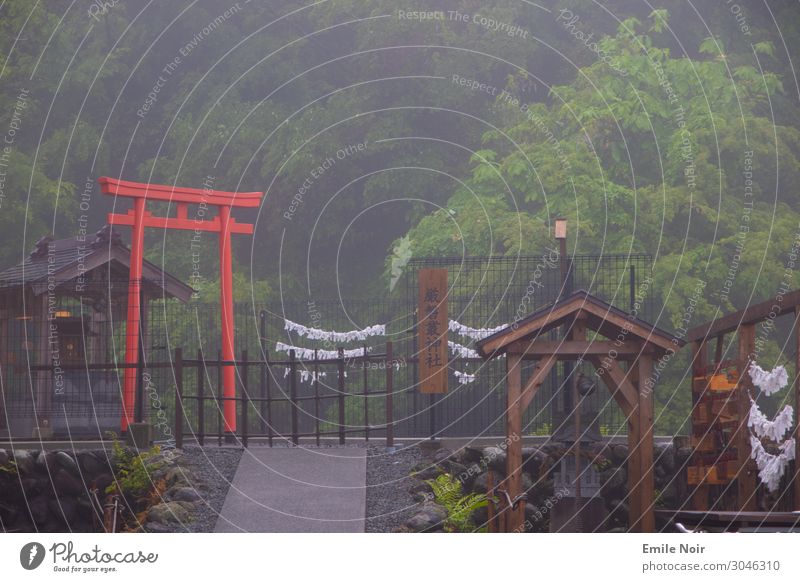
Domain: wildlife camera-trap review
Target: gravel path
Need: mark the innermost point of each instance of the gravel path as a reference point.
(210, 470)
(388, 501)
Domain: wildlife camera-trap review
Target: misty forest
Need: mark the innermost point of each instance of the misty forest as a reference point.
(380, 131)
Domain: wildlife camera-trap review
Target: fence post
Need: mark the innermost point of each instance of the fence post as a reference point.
(366, 397)
(293, 393)
(245, 398)
(316, 395)
(389, 395)
(201, 400)
(341, 396)
(220, 401)
(263, 368)
(178, 398)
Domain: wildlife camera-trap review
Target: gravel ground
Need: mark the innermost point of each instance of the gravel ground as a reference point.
(210, 470)
(388, 501)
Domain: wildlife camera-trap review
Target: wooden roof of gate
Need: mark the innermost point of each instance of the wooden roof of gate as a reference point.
(599, 316)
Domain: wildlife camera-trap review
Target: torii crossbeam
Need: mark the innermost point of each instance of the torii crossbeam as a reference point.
(139, 218)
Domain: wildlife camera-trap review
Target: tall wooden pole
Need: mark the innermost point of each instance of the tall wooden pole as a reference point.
(226, 313)
(513, 485)
(132, 329)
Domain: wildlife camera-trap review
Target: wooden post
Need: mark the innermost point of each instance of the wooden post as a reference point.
(796, 386)
(366, 397)
(745, 480)
(293, 394)
(700, 492)
(316, 396)
(515, 517)
(245, 398)
(268, 374)
(389, 395)
(201, 400)
(178, 398)
(491, 519)
(341, 396)
(647, 483)
(220, 401)
(634, 464)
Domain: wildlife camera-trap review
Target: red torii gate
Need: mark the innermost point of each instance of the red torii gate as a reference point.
(223, 223)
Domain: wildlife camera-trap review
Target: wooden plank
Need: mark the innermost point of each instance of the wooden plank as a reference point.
(746, 479)
(753, 314)
(432, 329)
(541, 371)
(647, 487)
(515, 517)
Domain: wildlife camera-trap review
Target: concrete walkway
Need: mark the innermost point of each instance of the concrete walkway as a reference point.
(297, 490)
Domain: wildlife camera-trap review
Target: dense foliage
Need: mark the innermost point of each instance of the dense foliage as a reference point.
(671, 131)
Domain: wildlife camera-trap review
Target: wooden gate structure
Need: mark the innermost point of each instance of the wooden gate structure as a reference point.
(724, 461)
(623, 357)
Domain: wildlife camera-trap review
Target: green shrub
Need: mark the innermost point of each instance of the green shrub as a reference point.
(132, 469)
(447, 492)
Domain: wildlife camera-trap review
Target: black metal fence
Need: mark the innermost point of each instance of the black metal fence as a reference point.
(306, 397)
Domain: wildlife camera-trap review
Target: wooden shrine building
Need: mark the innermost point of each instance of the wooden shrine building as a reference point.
(623, 350)
(64, 305)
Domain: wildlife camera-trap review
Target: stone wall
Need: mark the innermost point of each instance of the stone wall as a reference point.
(470, 465)
(49, 492)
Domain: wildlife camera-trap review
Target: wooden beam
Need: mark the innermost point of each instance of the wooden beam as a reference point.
(176, 194)
(619, 382)
(796, 386)
(646, 443)
(514, 517)
(539, 376)
(549, 320)
(150, 221)
(572, 349)
(752, 315)
(613, 389)
(745, 477)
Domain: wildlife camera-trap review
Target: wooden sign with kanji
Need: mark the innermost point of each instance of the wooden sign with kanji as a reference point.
(432, 328)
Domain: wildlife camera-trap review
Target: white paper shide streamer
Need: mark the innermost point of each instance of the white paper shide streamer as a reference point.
(308, 354)
(773, 430)
(314, 333)
(473, 332)
(462, 351)
(771, 468)
(463, 377)
(769, 382)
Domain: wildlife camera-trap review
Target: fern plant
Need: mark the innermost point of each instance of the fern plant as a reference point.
(448, 493)
(133, 471)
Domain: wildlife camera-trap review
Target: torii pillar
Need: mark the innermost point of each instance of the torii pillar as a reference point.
(139, 218)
